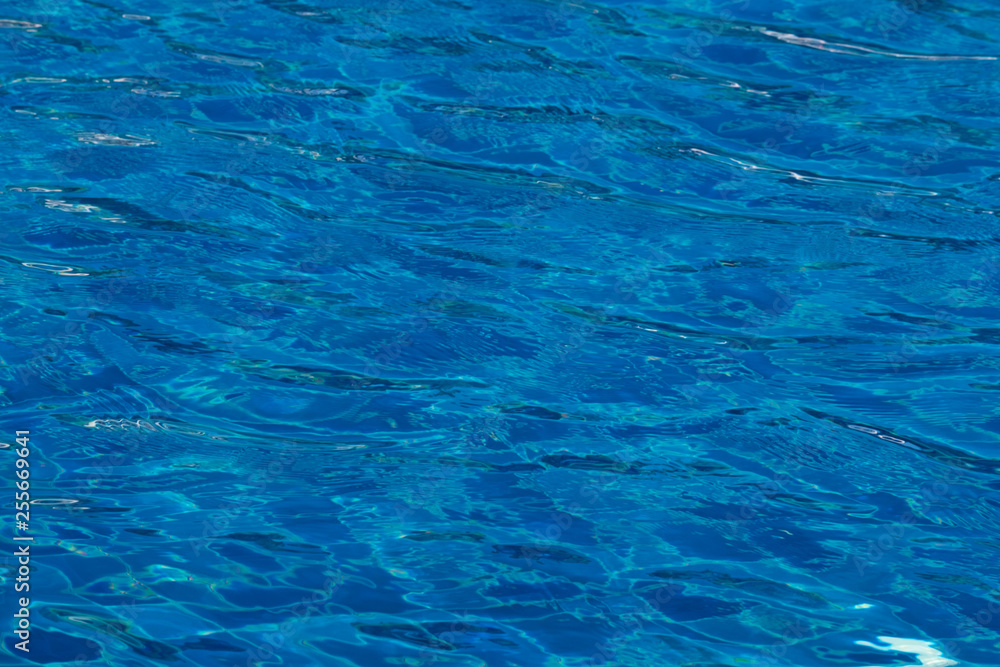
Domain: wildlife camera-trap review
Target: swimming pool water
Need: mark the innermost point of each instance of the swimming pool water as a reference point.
(503, 333)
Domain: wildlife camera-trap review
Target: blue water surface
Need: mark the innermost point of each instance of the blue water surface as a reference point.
(455, 332)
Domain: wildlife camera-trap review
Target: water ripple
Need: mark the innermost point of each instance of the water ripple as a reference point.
(522, 333)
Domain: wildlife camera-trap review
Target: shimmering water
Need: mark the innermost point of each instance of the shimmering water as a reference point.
(504, 333)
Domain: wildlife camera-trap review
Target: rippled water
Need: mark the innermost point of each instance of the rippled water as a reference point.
(504, 333)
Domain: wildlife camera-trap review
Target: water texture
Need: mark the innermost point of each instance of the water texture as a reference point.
(504, 333)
